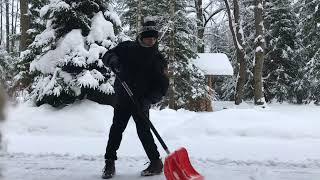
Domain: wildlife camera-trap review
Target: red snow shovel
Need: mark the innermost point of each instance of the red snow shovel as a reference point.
(177, 165)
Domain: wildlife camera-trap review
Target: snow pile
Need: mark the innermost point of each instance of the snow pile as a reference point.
(237, 134)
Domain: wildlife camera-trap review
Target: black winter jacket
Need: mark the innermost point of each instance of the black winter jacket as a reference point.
(143, 69)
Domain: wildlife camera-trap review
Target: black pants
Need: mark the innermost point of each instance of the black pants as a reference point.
(120, 121)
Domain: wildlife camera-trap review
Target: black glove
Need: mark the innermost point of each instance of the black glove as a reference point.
(145, 104)
(114, 64)
(111, 60)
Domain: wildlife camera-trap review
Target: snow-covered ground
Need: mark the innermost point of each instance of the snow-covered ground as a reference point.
(237, 143)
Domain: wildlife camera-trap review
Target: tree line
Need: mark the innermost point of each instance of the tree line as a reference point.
(273, 45)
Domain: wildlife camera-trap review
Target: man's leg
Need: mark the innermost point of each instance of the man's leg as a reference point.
(120, 120)
(146, 138)
(144, 132)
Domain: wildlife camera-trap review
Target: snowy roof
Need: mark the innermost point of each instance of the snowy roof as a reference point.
(213, 64)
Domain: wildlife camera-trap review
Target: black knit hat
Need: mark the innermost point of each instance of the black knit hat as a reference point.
(149, 28)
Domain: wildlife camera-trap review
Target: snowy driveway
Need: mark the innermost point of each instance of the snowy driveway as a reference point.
(280, 142)
(66, 167)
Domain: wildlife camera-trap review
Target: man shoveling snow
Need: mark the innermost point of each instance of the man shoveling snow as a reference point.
(140, 64)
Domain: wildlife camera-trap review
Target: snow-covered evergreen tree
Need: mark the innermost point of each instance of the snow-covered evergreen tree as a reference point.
(189, 83)
(6, 68)
(280, 67)
(23, 78)
(37, 24)
(67, 54)
(309, 14)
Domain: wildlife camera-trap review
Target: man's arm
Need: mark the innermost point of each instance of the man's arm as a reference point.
(114, 56)
(160, 83)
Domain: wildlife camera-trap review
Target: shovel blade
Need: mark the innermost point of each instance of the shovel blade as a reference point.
(177, 166)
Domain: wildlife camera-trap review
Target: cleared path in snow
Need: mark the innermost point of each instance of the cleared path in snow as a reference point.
(67, 167)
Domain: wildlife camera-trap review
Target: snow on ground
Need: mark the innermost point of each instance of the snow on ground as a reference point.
(235, 143)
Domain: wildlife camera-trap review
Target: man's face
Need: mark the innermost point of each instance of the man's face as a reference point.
(149, 41)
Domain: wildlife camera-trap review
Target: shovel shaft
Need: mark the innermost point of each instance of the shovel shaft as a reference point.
(142, 115)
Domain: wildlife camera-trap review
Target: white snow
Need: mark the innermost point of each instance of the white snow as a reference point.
(259, 39)
(53, 6)
(213, 64)
(48, 85)
(106, 88)
(280, 142)
(259, 49)
(95, 52)
(72, 43)
(113, 16)
(101, 29)
(260, 6)
(149, 18)
(45, 37)
(44, 10)
(88, 79)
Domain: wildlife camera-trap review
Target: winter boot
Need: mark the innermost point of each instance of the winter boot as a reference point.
(155, 167)
(109, 169)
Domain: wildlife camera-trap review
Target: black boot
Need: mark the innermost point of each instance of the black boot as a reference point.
(109, 169)
(155, 167)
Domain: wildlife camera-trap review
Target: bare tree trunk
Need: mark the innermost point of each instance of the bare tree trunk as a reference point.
(139, 17)
(1, 32)
(171, 90)
(7, 26)
(24, 24)
(238, 40)
(241, 54)
(259, 53)
(16, 18)
(200, 25)
(12, 26)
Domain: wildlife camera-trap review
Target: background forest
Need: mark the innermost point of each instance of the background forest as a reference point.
(50, 51)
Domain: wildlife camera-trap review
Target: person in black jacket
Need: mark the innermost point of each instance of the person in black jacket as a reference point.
(140, 64)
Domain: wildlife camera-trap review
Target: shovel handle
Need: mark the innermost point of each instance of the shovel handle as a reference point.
(142, 115)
